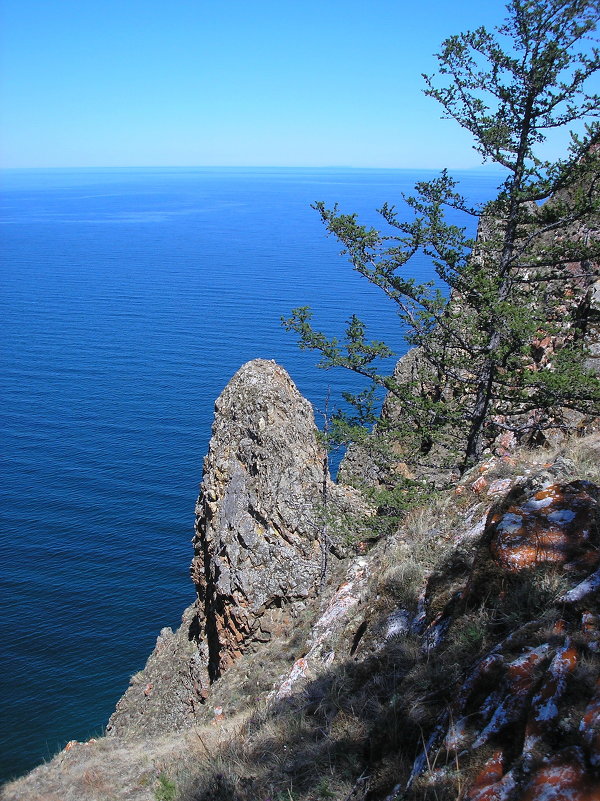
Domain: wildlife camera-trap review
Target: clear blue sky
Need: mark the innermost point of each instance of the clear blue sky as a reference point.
(236, 82)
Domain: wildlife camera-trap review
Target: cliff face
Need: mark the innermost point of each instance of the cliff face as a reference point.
(257, 549)
(257, 528)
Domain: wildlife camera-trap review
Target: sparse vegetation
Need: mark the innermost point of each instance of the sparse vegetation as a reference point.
(166, 789)
(358, 724)
(481, 368)
(364, 720)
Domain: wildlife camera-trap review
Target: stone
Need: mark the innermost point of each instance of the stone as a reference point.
(259, 546)
(259, 522)
(554, 525)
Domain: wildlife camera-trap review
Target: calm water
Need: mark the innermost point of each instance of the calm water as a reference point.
(128, 300)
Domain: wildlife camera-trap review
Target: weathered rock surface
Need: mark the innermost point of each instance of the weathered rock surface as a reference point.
(259, 515)
(167, 694)
(259, 546)
(529, 705)
(382, 460)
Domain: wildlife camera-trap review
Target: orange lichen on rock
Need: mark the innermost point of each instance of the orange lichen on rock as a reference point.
(564, 777)
(544, 709)
(529, 698)
(515, 688)
(500, 485)
(501, 790)
(490, 774)
(479, 485)
(552, 527)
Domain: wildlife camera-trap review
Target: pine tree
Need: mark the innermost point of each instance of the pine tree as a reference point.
(480, 369)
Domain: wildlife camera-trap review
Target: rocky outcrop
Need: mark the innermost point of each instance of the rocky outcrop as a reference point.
(593, 330)
(168, 692)
(526, 712)
(260, 512)
(261, 546)
(518, 716)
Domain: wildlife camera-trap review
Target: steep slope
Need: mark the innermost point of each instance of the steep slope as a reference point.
(456, 657)
(257, 549)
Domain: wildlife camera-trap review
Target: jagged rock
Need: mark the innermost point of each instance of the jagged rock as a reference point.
(259, 546)
(260, 511)
(329, 630)
(593, 331)
(167, 693)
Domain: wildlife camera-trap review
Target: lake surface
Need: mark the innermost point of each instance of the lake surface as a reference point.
(129, 298)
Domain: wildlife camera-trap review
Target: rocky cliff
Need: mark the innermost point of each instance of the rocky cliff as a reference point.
(262, 547)
(258, 552)
(257, 547)
(456, 657)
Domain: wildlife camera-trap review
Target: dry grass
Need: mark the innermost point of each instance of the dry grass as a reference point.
(361, 719)
(105, 770)
(576, 457)
(367, 716)
(422, 548)
(584, 455)
(360, 723)
(357, 727)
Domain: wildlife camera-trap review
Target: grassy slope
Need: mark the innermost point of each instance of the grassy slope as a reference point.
(367, 695)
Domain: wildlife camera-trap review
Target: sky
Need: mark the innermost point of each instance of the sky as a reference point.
(113, 83)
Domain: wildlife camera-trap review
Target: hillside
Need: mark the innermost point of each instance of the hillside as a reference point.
(456, 656)
(412, 631)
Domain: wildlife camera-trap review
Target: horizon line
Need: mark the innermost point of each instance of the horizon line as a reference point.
(242, 167)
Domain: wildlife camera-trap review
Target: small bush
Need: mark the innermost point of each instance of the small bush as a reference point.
(166, 790)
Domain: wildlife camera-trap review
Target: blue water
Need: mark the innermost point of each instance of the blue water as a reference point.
(128, 300)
